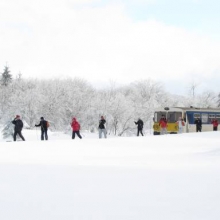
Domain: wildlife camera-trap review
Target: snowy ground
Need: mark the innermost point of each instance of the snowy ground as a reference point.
(172, 177)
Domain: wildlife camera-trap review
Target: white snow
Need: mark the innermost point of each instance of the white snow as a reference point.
(171, 177)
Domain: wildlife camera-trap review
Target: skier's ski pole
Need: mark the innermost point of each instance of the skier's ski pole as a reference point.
(36, 132)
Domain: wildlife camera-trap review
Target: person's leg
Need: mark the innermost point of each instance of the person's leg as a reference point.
(15, 134)
(73, 135)
(21, 136)
(138, 132)
(165, 130)
(100, 133)
(78, 134)
(105, 133)
(46, 136)
(42, 135)
(141, 131)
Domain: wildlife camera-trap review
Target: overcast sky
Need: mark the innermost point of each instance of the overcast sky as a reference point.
(173, 41)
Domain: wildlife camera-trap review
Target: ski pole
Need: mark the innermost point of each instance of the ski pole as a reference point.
(36, 132)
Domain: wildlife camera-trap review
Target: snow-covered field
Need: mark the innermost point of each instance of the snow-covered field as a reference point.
(171, 177)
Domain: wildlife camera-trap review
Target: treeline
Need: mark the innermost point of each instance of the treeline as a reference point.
(60, 100)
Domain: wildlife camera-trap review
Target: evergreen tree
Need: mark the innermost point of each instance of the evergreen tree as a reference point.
(6, 77)
(8, 130)
(218, 100)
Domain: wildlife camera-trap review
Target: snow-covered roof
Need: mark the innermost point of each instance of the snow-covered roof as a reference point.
(176, 109)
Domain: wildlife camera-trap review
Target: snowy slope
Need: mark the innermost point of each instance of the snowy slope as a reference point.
(138, 178)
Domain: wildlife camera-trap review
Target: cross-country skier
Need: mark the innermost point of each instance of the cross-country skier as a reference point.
(18, 127)
(76, 128)
(140, 125)
(44, 127)
(102, 129)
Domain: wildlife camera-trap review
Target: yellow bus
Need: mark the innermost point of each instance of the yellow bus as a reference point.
(189, 115)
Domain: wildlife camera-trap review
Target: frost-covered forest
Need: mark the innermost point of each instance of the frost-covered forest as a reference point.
(59, 100)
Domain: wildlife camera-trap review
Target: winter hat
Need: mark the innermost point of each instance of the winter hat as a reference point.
(74, 119)
(42, 118)
(17, 116)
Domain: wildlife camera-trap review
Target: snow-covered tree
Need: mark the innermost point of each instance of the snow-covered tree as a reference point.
(145, 96)
(8, 130)
(6, 77)
(60, 100)
(218, 101)
(207, 99)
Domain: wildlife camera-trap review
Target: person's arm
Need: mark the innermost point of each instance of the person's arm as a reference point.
(22, 124)
(38, 124)
(72, 124)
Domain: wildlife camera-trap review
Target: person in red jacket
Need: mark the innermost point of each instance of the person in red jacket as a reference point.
(215, 124)
(75, 127)
(163, 125)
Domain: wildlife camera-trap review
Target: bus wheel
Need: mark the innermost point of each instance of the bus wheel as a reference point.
(156, 133)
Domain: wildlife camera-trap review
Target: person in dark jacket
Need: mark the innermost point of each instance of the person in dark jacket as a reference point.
(18, 127)
(44, 127)
(140, 125)
(76, 128)
(102, 129)
(198, 123)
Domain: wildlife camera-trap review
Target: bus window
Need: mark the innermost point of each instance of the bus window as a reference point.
(196, 115)
(217, 115)
(211, 115)
(172, 117)
(204, 117)
(155, 117)
(158, 116)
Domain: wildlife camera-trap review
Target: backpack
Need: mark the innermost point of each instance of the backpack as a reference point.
(48, 124)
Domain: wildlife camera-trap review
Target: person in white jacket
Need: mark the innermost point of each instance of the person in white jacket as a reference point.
(180, 124)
